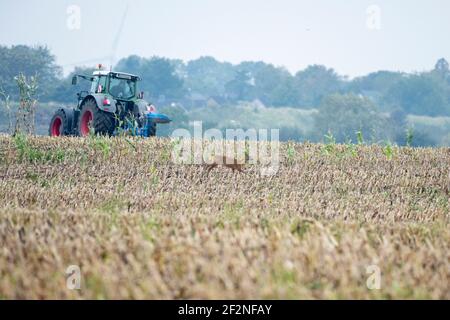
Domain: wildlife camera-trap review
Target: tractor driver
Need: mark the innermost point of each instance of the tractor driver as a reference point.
(122, 89)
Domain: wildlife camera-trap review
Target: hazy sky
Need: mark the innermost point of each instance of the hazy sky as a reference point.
(406, 35)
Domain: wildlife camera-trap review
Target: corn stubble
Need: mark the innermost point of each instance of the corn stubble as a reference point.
(139, 226)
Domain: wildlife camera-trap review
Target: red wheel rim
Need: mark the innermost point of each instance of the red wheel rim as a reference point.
(56, 127)
(86, 120)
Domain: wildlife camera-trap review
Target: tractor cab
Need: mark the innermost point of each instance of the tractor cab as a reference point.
(120, 85)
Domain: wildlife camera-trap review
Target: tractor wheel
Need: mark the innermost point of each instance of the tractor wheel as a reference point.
(91, 116)
(59, 125)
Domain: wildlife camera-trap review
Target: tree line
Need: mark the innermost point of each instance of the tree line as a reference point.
(379, 101)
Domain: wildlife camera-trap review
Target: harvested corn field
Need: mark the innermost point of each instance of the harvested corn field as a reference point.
(335, 221)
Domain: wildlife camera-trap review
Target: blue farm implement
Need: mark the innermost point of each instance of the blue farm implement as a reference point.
(146, 130)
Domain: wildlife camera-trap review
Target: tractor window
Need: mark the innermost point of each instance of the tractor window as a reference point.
(122, 88)
(99, 85)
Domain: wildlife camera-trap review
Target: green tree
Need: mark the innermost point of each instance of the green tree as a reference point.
(159, 77)
(274, 86)
(29, 61)
(442, 67)
(240, 88)
(376, 85)
(208, 77)
(420, 94)
(345, 115)
(316, 82)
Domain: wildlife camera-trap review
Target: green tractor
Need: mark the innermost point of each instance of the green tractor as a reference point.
(112, 105)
